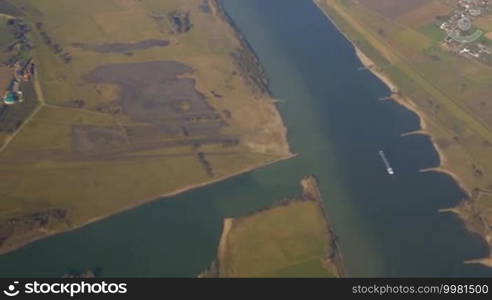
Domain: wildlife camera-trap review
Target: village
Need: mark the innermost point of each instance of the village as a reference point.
(17, 96)
(18, 60)
(23, 72)
(462, 37)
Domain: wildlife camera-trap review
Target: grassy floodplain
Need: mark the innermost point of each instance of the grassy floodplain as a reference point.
(139, 99)
(290, 239)
(399, 41)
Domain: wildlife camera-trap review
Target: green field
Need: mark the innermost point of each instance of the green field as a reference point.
(107, 137)
(290, 239)
(5, 34)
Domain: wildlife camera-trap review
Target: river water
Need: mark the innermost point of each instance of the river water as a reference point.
(387, 225)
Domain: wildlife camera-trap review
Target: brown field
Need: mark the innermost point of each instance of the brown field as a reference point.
(5, 77)
(393, 8)
(424, 14)
(123, 47)
(9, 9)
(484, 22)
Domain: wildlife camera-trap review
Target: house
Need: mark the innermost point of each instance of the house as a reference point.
(9, 98)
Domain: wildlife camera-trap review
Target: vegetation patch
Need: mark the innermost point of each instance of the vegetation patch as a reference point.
(9, 9)
(153, 93)
(392, 8)
(26, 225)
(122, 47)
(180, 21)
(290, 239)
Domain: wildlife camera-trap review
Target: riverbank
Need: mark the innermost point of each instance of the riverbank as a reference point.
(245, 58)
(8, 17)
(44, 233)
(292, 238)
(408, 104)
(466, 211)
(252, 71)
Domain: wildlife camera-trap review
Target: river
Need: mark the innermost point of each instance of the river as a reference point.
(387, 225)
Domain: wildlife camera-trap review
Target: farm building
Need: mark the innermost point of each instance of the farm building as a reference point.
(9, 98)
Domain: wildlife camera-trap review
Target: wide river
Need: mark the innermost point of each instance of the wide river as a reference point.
(387, 225)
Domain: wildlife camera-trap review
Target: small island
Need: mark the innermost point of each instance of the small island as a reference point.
(292, 238)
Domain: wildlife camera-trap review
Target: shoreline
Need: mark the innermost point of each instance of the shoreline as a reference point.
(48, 234)
(8, 17)
(263, 82)
(213, 271)
(408, 104)
(226, 229)
(443, 160)
(424, 129)
(403, 101)
(310, 189)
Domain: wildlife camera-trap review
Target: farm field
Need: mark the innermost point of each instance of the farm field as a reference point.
(451, 93)
(289, 239)
(138, 100)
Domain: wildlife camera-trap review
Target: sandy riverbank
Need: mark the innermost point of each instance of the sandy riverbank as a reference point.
(404, 101)
(443, 160)
(7, 16)
(427, 130)
(408, 104)
(226, 228)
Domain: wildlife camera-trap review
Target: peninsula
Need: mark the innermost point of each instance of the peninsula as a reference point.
(292, 238)
(111, 104)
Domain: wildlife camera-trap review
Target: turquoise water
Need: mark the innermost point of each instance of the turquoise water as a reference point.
(387, 225)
